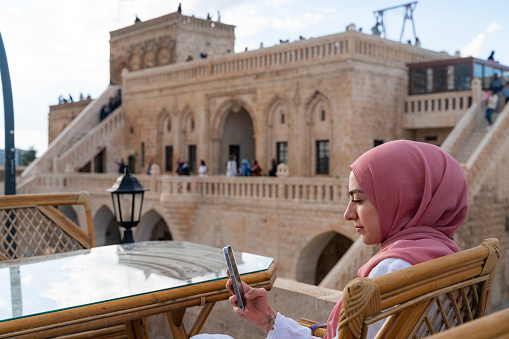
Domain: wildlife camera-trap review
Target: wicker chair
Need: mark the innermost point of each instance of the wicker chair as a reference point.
(493, 326)
(420, 300)
(31, 225)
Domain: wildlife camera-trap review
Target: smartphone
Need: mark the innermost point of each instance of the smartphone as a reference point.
(235, 276)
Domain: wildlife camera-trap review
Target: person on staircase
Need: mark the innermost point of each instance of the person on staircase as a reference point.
(491, 106)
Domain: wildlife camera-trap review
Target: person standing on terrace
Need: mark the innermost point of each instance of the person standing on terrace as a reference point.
(407, 196)
(231, 166)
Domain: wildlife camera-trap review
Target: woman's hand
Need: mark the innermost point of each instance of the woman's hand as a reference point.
(257, 309)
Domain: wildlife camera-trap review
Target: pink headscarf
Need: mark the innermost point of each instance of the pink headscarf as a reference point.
(420, 192)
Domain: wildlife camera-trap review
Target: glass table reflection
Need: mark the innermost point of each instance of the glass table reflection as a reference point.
(56, 286)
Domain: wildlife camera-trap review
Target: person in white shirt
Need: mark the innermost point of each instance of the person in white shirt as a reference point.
(407, 196)
(231, 167)
(203, 171)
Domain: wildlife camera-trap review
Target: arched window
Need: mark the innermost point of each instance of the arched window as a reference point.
(282, 118)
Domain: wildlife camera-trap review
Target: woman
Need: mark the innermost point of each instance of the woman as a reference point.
(407, 196)
(273, 170)
(256, 171)
(245, 170)
(203, 171)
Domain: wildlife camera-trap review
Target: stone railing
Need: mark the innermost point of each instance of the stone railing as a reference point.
(342, 46)
(436, 110)
(68, 105)
(346, 268)
(488, 153)
(463, 129)
(466, 125)
(166, 20)
(85, 121)
(87, 147)
(319, 190)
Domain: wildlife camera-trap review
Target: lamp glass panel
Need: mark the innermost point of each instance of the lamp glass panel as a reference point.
(115, 196)
(126, 203)
(138, 200)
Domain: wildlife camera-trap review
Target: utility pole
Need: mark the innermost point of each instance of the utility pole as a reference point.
(409, 11)
(10, 166)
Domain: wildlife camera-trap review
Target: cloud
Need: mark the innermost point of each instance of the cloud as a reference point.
(494, 26)
(474, 47)
(289, 24)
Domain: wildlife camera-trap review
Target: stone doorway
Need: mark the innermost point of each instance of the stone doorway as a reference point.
(238, 135)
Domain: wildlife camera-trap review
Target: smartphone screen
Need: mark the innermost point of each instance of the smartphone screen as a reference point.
(235, 276)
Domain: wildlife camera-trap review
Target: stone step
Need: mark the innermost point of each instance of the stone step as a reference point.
(470, 145)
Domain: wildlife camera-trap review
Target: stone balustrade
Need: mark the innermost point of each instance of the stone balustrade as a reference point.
(488, 153)
(342, 46)
(436, 110)
(319, 190)
(87, 146)
(463, 129)
(167, 20)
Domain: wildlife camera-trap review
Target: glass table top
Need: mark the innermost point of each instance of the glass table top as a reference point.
(60, 281)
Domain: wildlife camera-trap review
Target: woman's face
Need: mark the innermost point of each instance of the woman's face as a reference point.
(363, 214)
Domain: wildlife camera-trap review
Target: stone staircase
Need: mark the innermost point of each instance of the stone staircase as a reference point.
(474, 139)
(80, 127)
(96, 139)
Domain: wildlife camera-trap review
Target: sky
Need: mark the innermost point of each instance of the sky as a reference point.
(61, 47)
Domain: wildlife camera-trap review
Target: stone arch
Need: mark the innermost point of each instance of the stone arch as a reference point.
(135, 57)
(188, 122)
(225, 133)
(119, 64)
(320, 255)
(165, 138)
(70, 213)
(106, 229)
(189, 129)
(279, 121)
(166, 51)
(151, 54)
(152, 226)
(317, 107)
(222, 112)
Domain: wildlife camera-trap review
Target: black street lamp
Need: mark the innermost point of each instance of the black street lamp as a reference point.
(127, 194)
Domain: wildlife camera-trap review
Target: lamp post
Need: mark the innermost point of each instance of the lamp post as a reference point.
(10, 175)
(127, 195)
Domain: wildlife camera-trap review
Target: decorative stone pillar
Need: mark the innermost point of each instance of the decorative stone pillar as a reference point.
(476, 90)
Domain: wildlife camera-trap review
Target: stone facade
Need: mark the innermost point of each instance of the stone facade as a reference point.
(330, 89)
(169, 39)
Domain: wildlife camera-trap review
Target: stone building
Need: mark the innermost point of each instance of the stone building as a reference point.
(314, 104)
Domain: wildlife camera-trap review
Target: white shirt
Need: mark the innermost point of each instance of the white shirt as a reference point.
(287, 328)
(231, 168)
(202, 171)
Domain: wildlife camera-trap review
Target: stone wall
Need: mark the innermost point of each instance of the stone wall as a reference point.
(61, 115)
